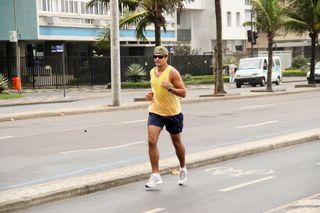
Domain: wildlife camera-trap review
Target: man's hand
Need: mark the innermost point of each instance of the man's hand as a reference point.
(166, 84)
(149, 96)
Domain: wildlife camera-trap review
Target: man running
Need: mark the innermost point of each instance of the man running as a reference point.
(165, 110)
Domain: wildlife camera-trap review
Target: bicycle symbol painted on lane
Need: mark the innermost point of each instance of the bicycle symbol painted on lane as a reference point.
(232, 172)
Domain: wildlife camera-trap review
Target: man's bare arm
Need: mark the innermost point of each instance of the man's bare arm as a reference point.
(178, 88)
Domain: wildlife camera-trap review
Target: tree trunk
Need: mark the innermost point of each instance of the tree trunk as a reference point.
(313, 56)
(157, 27)
(218, 77)
(269, 76)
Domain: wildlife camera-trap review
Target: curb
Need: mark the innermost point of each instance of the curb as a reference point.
(138, 105)
(41, 102)
(17, 199)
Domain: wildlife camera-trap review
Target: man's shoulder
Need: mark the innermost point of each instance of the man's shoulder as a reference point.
(174, 71)
(152, 69)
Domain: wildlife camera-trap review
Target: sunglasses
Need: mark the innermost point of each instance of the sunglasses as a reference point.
(158, 56)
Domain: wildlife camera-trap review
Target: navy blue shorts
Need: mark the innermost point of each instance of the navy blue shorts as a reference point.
(174, 124)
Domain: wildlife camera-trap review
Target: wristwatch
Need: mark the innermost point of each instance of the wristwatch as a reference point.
(170, 89)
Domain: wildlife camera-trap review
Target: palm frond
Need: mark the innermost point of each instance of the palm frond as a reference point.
(3, 83)
(132, 18)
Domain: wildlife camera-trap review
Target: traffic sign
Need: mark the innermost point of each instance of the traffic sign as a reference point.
(13, 36)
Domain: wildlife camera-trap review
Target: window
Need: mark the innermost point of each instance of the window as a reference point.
(45, 5)
(238, 19)
(55, 6)
(247, 2)
(229, 19)
(99, 9)
(239, 48)
(178, 18)
(49, 5)
(69, 6)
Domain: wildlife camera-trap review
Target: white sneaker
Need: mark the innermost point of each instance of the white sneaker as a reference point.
(154, 180)
(183, 177)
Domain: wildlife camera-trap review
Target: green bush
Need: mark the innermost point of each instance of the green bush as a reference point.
(186, 77)
(204, 79)
(135, 72)
(299, 61)
(293, 72)
(3, 83)
(140, 84)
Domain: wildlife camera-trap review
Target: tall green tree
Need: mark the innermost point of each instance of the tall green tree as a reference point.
(304, 16)
(269, 19)
(142, 13)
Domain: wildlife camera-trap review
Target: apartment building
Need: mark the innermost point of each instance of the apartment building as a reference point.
(42, 24)
(197, 25)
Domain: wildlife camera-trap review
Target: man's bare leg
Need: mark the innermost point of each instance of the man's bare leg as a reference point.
(179, 147)
(153, 136)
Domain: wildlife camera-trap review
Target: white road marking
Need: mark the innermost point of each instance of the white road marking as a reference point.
(136, 121)
(318, 164)
(246, 184)
(256, 106)
(104, 148)
(237, 172)
(258, 124)
(155, 210)
(5, 137)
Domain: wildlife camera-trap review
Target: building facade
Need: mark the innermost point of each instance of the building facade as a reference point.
(43, 26)
(197, 28)
(197, 25)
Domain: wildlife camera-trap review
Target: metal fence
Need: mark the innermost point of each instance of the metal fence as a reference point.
(48, 71)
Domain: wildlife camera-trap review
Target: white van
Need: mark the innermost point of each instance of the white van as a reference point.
(255, 70)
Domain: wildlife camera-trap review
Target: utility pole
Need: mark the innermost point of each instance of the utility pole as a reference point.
(115, 54)
(17, 48)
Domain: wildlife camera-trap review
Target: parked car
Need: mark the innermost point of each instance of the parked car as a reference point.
(316, 73)
(254, 71)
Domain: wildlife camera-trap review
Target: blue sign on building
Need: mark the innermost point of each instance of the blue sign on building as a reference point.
(57, 48)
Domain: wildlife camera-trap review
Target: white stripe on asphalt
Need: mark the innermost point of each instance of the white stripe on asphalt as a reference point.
(104, 148)
(256, 106)
(318, 164)
(5, 137)
(155, 210)
(246, 184)
(253, 125)
(137, 121)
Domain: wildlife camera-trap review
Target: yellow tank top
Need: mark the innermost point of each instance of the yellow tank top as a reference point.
(164, 103)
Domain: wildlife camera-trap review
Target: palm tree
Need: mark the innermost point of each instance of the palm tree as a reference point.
(304, 16)
(269, 19)
(142, 13)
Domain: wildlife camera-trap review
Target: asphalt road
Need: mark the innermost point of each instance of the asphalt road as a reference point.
(251, 184)
(40, 150)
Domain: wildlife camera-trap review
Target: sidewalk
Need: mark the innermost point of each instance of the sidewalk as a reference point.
(40, 96)
(99, 99)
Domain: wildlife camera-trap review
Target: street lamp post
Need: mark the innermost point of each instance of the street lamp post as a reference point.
(115, 53)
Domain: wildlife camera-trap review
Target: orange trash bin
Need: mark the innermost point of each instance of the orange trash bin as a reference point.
(16, 82)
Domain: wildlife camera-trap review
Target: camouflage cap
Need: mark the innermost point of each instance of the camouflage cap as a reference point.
(160, 50)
